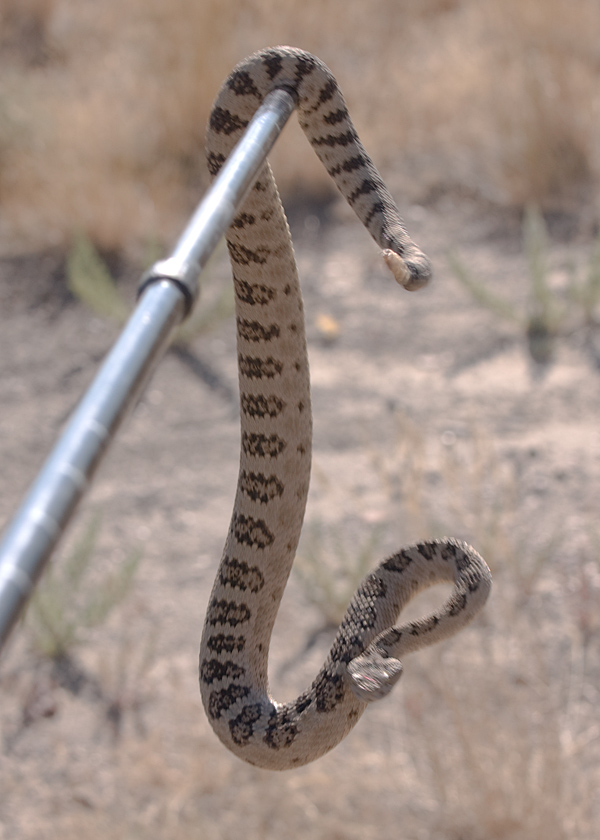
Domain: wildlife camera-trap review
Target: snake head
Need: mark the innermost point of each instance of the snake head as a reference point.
(372, 676)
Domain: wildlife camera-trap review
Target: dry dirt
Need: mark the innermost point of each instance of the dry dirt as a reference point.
(493, 736)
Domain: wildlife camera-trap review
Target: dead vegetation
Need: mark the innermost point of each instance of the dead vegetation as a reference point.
(493, 737)
(103, 106)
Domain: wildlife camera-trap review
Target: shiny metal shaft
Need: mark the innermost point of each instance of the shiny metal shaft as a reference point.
(167, 295)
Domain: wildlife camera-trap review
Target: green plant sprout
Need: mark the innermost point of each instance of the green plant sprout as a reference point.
(90, 281)
(547, 314)
(67, 602)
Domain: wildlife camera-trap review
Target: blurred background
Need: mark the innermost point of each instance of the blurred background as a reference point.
(470, 409)
(103, 105)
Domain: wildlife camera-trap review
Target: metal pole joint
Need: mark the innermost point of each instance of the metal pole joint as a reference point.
(171, 288)
(182, 275)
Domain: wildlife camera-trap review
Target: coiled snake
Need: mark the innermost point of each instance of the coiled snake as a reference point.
(276, 432)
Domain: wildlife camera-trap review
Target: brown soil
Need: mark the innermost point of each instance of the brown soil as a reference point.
(426, 388)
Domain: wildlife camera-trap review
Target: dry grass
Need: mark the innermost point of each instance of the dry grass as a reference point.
(103, 106)
(495, 738)
(505, 729)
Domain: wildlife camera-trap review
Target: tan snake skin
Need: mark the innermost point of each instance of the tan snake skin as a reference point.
(276, 425)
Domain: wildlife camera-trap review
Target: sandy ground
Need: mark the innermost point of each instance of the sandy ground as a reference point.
(409, 380)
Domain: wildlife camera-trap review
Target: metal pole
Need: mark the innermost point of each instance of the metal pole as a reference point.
(167, 295)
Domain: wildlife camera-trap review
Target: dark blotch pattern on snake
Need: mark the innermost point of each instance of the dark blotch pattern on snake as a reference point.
(276, 420)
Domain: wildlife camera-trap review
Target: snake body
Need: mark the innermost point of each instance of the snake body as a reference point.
(276, 434)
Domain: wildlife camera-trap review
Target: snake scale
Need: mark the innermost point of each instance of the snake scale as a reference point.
(276, 434)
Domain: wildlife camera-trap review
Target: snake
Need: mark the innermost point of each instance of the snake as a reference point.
(275, 452)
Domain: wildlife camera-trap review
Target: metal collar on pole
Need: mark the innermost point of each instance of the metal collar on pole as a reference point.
(167, 295)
